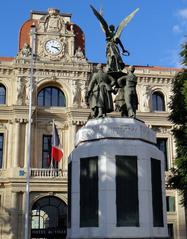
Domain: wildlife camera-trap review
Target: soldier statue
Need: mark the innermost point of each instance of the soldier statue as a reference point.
(126, 100)
(103, 84)
(99, 93)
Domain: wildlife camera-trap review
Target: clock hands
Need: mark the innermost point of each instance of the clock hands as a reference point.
(57, 48)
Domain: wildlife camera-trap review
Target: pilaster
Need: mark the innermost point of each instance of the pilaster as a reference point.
(26, 144)
(10, 144)
(16, 143)
(14, 215)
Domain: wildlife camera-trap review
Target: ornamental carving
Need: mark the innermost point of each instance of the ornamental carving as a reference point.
(20, 90)
(53, 22)
(162, 130)
(55, 37)
(77, 98)
(145, 99)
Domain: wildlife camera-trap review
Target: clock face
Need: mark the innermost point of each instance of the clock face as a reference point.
(53, 47)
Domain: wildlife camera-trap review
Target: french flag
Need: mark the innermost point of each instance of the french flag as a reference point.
(56, 150)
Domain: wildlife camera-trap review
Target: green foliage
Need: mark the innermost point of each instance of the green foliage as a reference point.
(179, 181)
(178, 104)
(178, 116)
(184, 54)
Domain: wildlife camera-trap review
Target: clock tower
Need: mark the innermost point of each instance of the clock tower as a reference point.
(57, 39)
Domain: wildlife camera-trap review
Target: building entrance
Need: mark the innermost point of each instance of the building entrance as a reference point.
(49, 218)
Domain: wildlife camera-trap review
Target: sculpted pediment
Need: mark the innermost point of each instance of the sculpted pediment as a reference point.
(53, 22)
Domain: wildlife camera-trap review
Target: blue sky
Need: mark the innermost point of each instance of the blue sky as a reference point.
(153, 37)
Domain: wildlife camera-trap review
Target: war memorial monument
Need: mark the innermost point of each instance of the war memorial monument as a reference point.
(116, 173)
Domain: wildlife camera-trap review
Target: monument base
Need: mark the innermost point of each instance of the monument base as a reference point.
(116, 182)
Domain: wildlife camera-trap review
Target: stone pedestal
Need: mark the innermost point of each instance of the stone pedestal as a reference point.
(116, 182)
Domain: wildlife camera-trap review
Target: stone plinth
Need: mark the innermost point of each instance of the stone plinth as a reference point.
(116, 182)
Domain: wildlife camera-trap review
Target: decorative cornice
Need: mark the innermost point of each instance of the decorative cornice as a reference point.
(162, 129)
(155, 80)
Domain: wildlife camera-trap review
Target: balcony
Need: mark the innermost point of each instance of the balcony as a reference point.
(48, 173)
(40, 173)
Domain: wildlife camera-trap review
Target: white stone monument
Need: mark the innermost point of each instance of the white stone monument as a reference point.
(116, 182)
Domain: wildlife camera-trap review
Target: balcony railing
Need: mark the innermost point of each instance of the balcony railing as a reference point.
(48, 173)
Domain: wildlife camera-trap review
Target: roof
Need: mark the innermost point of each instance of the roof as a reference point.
(157, 68)
(6, 58)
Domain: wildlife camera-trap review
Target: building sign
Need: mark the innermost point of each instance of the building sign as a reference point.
(49, 233)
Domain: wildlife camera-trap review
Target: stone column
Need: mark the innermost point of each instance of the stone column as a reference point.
(17, 142)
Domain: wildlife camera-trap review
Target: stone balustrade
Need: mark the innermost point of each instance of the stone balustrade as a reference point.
(48, 173)
(35, 173)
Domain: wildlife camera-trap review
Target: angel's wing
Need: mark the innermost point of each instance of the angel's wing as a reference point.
(102, 21)
(124, 22)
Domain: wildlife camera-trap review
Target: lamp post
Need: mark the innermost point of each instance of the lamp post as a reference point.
(27, 192)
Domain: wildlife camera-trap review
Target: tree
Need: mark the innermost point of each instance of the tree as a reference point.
(178, 116)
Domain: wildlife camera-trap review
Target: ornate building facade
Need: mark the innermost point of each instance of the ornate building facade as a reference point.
(61, 73)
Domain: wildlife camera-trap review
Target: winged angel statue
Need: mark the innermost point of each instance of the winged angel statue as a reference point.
(113, 54)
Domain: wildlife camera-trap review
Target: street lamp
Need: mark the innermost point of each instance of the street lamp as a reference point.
(27, 192)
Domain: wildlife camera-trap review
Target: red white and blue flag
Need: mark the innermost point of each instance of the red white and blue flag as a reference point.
(56, 149)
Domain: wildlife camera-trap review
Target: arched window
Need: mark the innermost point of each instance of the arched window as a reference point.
(158, 103)
(49, 218)
(51, 96)
(2, 94)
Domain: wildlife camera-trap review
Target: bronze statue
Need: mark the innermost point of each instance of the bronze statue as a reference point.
(126, 100)
(99, 94)
(119, 100)
(114, 59)
(131, 98)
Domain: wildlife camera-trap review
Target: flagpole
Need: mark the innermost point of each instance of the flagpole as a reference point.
(27, 192)
(51, 164)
